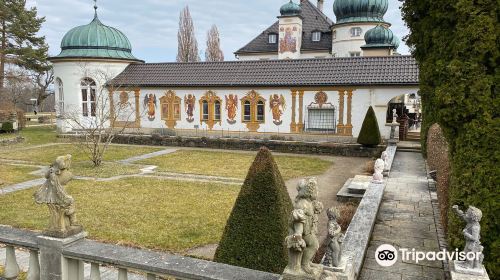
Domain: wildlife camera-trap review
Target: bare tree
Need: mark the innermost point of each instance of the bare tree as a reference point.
(42, 80)
(213, 52)
(187, 45)
(103, 116)
(18, 87)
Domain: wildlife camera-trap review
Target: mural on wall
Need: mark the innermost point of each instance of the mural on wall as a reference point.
(189, 103)
(231, 107)
(150, 106)
(277, 105)
(288, 43)
(170, 108)
(320, 98)
(125, 109)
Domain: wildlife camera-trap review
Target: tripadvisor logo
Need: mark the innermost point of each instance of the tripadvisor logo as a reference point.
(387, 255)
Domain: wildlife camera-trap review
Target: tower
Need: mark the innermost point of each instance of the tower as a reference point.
(380, 41)
(290, 31)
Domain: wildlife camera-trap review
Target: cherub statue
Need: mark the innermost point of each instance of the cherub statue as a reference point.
(335, 237)
(385, 158)
(378, 177)
(61, 205)
(472, 235)
(394, 116)
(302, 242)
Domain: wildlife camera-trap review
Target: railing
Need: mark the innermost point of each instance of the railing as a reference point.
(13, 238)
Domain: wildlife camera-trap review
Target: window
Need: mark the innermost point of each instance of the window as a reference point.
(217, 110)
(210, 112)
(170, 105)
(246, 111)
(60, 96)
(88, 87)
(354, 54)
(356, 31)
(204, 108)
(253, 108)
(321, 119)
(334, 35)
(273, 38)
(260, 111)
(316, 36)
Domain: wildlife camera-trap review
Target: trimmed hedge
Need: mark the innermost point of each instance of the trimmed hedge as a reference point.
(370, 132)
(7, 127)
(256, 229)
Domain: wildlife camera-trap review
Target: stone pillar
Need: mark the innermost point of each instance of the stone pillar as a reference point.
(53, 265)
(300, 125)
(340, 126)
(348, 127)
(293, 125)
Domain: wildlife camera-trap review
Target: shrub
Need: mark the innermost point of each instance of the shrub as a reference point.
(346, 212)
(370, 133)
(256, 229)
(370, 167)
(7, 127)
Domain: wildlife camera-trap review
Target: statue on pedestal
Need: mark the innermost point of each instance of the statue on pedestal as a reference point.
(335, 236)
(385, 158)
(63, 221)
(378, 176)
(394, 116)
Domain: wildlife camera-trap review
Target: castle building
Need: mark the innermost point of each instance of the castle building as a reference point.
(286, 80)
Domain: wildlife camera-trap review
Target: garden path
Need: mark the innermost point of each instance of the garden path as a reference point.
(405, 220)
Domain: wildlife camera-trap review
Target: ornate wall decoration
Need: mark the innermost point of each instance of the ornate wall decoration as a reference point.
(289, 42)
(277, 105)
(170, 108)
(150, 106)
(320, 98)
(189, 104)
(253, 110)
(231, 107)
(210, 109)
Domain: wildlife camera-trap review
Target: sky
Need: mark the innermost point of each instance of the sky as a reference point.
(151, 25)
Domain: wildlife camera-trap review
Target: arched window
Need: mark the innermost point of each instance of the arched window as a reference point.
(217, 110)
(60, 96)
(210, 112)
(204, 109)
(253, 106)
(246, 111)
(88, 87)
(260, 111)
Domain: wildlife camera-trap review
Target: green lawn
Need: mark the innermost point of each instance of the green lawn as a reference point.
(39, 135)
(10, 174)
(230, 164)
(158, 214)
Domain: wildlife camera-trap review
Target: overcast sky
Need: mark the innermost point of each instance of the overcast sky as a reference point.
(151, 25)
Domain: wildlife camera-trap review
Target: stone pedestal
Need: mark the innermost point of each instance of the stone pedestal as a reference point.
(52, 264)
(459, 273)
(344, 271)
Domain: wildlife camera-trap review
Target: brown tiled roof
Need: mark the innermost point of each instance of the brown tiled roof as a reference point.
(388, 70)
(313, 20)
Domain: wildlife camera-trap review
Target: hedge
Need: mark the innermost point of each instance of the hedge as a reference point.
(7, 127)
(370, 132)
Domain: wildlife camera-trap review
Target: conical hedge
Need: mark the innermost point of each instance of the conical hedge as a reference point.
(370, 133)
(256, 229)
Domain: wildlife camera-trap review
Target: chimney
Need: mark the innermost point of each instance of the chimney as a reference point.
(320, 5)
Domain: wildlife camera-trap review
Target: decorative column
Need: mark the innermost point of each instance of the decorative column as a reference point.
(137, 93)
(340, 126)
(293, 125)
(300, 125)
(348, 127)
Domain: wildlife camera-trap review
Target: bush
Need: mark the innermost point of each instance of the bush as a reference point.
(346, 212)
(7, 127)
(370, 167)
(370, 133)
(256, 229)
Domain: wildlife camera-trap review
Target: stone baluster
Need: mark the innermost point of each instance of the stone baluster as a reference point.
(150, 276)
(95, 273)
(34, 266)
(122, 274)
(11, 267)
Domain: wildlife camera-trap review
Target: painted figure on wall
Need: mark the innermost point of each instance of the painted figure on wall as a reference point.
(277, 105)
(125, 110)
(231, 107)
(288, 43)
(189, 102)
(150, 105)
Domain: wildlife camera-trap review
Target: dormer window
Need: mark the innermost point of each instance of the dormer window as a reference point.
(316, 36)
(356, 31)
(273, 38)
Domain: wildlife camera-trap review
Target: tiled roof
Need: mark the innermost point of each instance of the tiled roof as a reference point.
(313, 20)
(388, 70)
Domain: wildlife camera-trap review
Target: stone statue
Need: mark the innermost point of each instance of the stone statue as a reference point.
(473, 246)
(378, 177)
(385, 158)
(61, 205)
(394, 116)
(335, 236)
(302, 242)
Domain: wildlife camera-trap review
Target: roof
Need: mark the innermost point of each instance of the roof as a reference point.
(312, 20)
(342, 71)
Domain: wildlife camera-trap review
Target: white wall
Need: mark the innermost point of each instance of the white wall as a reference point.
(345, 43)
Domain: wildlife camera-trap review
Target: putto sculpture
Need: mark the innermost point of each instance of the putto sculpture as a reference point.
(385, 158)
(335, 237)
(473, 248)
(63, 221)
(378, 176)
(394, 116)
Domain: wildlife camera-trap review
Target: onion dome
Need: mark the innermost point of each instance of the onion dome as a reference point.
(290, 9)
(347, 11)
(379, 37)
(96, 40)
(395, 42)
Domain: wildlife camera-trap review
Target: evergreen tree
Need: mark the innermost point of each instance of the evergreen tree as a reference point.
(19, 43)
(255, 232)
(213, 52)
(187, 50)
(370, 133)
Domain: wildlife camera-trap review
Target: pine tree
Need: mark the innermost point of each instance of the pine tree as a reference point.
(187, 50)
(213, 52)
(370, 133)
(256, 229)
(19, 43)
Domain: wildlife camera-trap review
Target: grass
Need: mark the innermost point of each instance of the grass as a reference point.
(227, 164)
(105, 170)
(152, 213)
(39, 135)
(11, 174)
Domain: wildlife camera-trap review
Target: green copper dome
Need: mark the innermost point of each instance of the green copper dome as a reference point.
(360, 10)
(395, 42)
(379, 37)
(290, 9)
(96, 40)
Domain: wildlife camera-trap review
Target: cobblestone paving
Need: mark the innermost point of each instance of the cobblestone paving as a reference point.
(405, 220)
